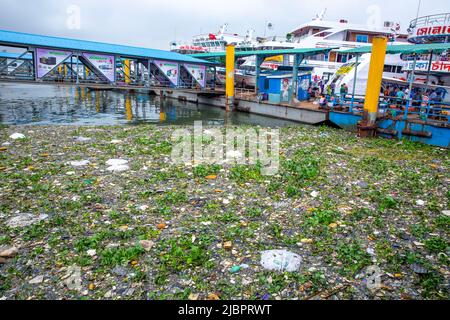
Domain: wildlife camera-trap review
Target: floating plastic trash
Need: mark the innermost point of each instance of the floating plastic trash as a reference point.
(83, 139)
(117, 165)
(81, 163)
(120, 168)
(116, 162)
(314, 194)
(280, 260)
(236, 269)
(25, 220)
(17, 136)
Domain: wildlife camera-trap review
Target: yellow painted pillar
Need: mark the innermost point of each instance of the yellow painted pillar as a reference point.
(375, 79)
(97, 102)
(76, 94)
(128, 108)
(127, 71)
(230, 61)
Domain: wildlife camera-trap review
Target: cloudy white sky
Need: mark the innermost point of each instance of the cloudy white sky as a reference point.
(155, 23)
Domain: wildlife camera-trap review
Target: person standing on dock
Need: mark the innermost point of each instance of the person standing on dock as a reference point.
(433, 96)
(417, 97)
(400, 97)
(343, 93)
(333, 88)
(323, 102)
(329, 91)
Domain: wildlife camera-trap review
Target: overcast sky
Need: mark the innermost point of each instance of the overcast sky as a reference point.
(155, 23)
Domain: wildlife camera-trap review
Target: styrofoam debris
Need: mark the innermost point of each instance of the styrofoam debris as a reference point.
(25, 220)
(17, 136)
(81, 163)
(280, 260)
(119, 168)
(116, 162)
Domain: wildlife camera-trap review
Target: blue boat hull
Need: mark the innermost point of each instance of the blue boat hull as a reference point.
(425, 133)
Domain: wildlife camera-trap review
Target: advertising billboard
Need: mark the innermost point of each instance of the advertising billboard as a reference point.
(197, 72)
(286, 89)
(48, 59)
(170, 70)
(105, 64)
(424, 66)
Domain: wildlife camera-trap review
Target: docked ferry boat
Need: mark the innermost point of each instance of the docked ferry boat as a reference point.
(431, 71)
(213, 42)
(339, 35)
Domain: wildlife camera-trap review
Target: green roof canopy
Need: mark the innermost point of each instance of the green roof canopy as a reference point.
(265, 53)
(405, 49)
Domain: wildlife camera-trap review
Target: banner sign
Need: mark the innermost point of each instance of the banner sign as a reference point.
(170, 70)
(436, 66)
(103, 63)
(47, 60)
(197, 72)
(13, 64)
(192, 48)
(433, 31)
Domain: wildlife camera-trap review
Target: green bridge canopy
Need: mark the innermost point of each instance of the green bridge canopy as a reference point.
(265, 53)
(405, 49)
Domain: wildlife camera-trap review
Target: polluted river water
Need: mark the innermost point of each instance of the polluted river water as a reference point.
(30, 104)
(97, 210)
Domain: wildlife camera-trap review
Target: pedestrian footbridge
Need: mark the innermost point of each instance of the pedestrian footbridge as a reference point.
(44, 59)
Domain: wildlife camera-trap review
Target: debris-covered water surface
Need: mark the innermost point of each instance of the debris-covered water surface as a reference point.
(101, 213)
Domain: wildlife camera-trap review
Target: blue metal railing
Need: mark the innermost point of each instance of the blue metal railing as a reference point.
(392, 106)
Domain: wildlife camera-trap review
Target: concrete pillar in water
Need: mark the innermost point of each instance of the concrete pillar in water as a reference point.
(127, 71)
(230, 61)
(367, 127)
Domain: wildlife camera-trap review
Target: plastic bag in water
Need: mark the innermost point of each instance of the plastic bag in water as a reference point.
(280, 260)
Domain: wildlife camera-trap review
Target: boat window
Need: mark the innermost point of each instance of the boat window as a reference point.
(362, 38)
(326, 77)
(387, 68)
(342, 58)
(392, 69)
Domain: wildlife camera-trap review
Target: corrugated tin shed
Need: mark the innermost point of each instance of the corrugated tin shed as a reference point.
(24, 40)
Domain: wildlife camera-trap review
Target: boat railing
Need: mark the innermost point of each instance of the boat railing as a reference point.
(432, 19)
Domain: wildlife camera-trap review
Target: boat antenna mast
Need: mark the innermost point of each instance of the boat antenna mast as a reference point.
(223, 29)
(321, 15)
(418, 10)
